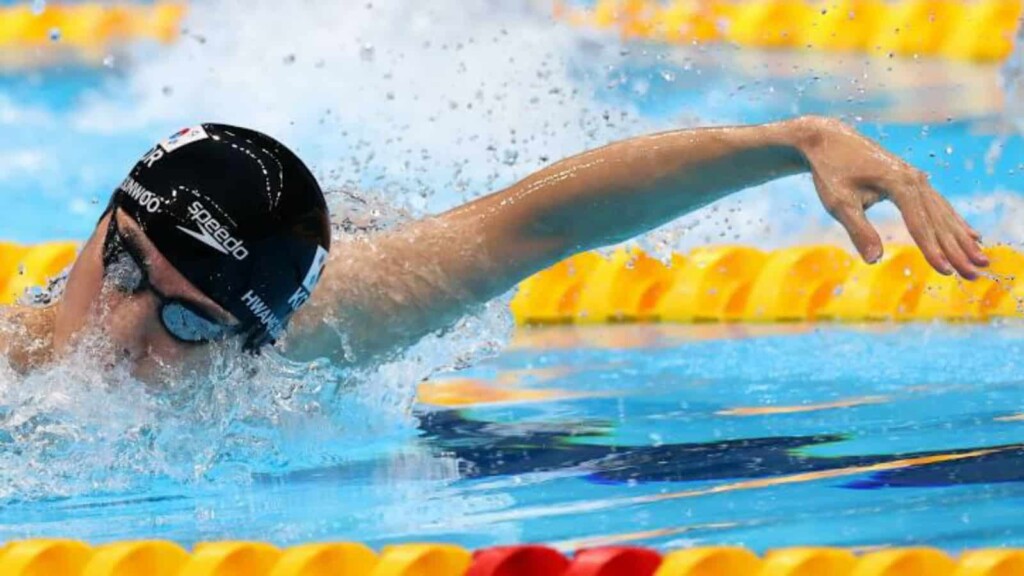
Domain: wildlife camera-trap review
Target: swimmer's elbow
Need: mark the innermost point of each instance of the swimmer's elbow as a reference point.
(552, 239)
(555, 239)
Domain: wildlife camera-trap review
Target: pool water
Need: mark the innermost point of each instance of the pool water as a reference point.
(71, 134)
(666, 436)
(659, 435)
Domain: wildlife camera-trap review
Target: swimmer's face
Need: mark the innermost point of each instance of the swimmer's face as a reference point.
(131, 322)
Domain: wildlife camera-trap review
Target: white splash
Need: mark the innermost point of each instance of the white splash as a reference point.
(419, 106)
(448, 98)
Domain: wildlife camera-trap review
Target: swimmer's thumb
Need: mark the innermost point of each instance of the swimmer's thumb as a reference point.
(862, 233)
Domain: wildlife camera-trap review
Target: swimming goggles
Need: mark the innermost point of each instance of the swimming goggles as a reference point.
(123, 265)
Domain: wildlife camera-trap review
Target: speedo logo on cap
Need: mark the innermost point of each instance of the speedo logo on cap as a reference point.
(213, 234)
(151, 202)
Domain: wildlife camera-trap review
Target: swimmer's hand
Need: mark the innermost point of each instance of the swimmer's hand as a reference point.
(851, 173)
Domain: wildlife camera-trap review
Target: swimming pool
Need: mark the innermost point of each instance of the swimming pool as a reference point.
(654, 435)
(659, 435)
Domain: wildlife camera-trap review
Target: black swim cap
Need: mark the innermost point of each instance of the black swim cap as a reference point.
(239, 215)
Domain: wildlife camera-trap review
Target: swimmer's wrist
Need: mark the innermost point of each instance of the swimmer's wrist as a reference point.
(807, 133)
(785, 141)
(798, 136)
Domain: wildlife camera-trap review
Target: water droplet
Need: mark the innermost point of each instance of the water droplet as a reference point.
(108, 61)
(38, 7)
(949, 150)
(510, 157)
(54, 34)
(289, 59)
(367, 52)
(668, 76)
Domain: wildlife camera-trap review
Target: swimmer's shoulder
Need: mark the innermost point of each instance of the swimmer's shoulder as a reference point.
(26, 335)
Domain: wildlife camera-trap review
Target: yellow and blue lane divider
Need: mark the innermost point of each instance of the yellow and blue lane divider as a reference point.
(86, 29)
(163, 558)
(745, 284)
(709, 284)
(971, 30)
(26, 266)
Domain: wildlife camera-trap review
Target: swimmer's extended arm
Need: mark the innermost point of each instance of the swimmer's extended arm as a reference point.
(392, 290)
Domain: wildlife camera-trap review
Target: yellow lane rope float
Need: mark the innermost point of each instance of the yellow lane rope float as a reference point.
(24, 267)
(972, 30)
(739, 283)
(162, 558)
(710, 284)
(88, 30)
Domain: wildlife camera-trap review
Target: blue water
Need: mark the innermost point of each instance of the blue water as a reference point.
(644, 448)
(658, 435)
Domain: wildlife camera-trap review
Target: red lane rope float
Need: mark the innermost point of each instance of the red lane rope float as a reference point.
(515, 560)
(614, 561)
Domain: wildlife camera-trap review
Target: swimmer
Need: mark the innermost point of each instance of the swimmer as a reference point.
(221, 234)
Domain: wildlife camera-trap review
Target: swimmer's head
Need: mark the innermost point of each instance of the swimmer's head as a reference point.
(233, 212)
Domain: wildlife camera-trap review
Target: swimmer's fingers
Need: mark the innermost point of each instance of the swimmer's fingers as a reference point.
(945, 239)
(967, 236)
(850, 214)
(922, 230)
(862, 233)
(965, 253)
(955, 254)
(960, 250)
(974, 234)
